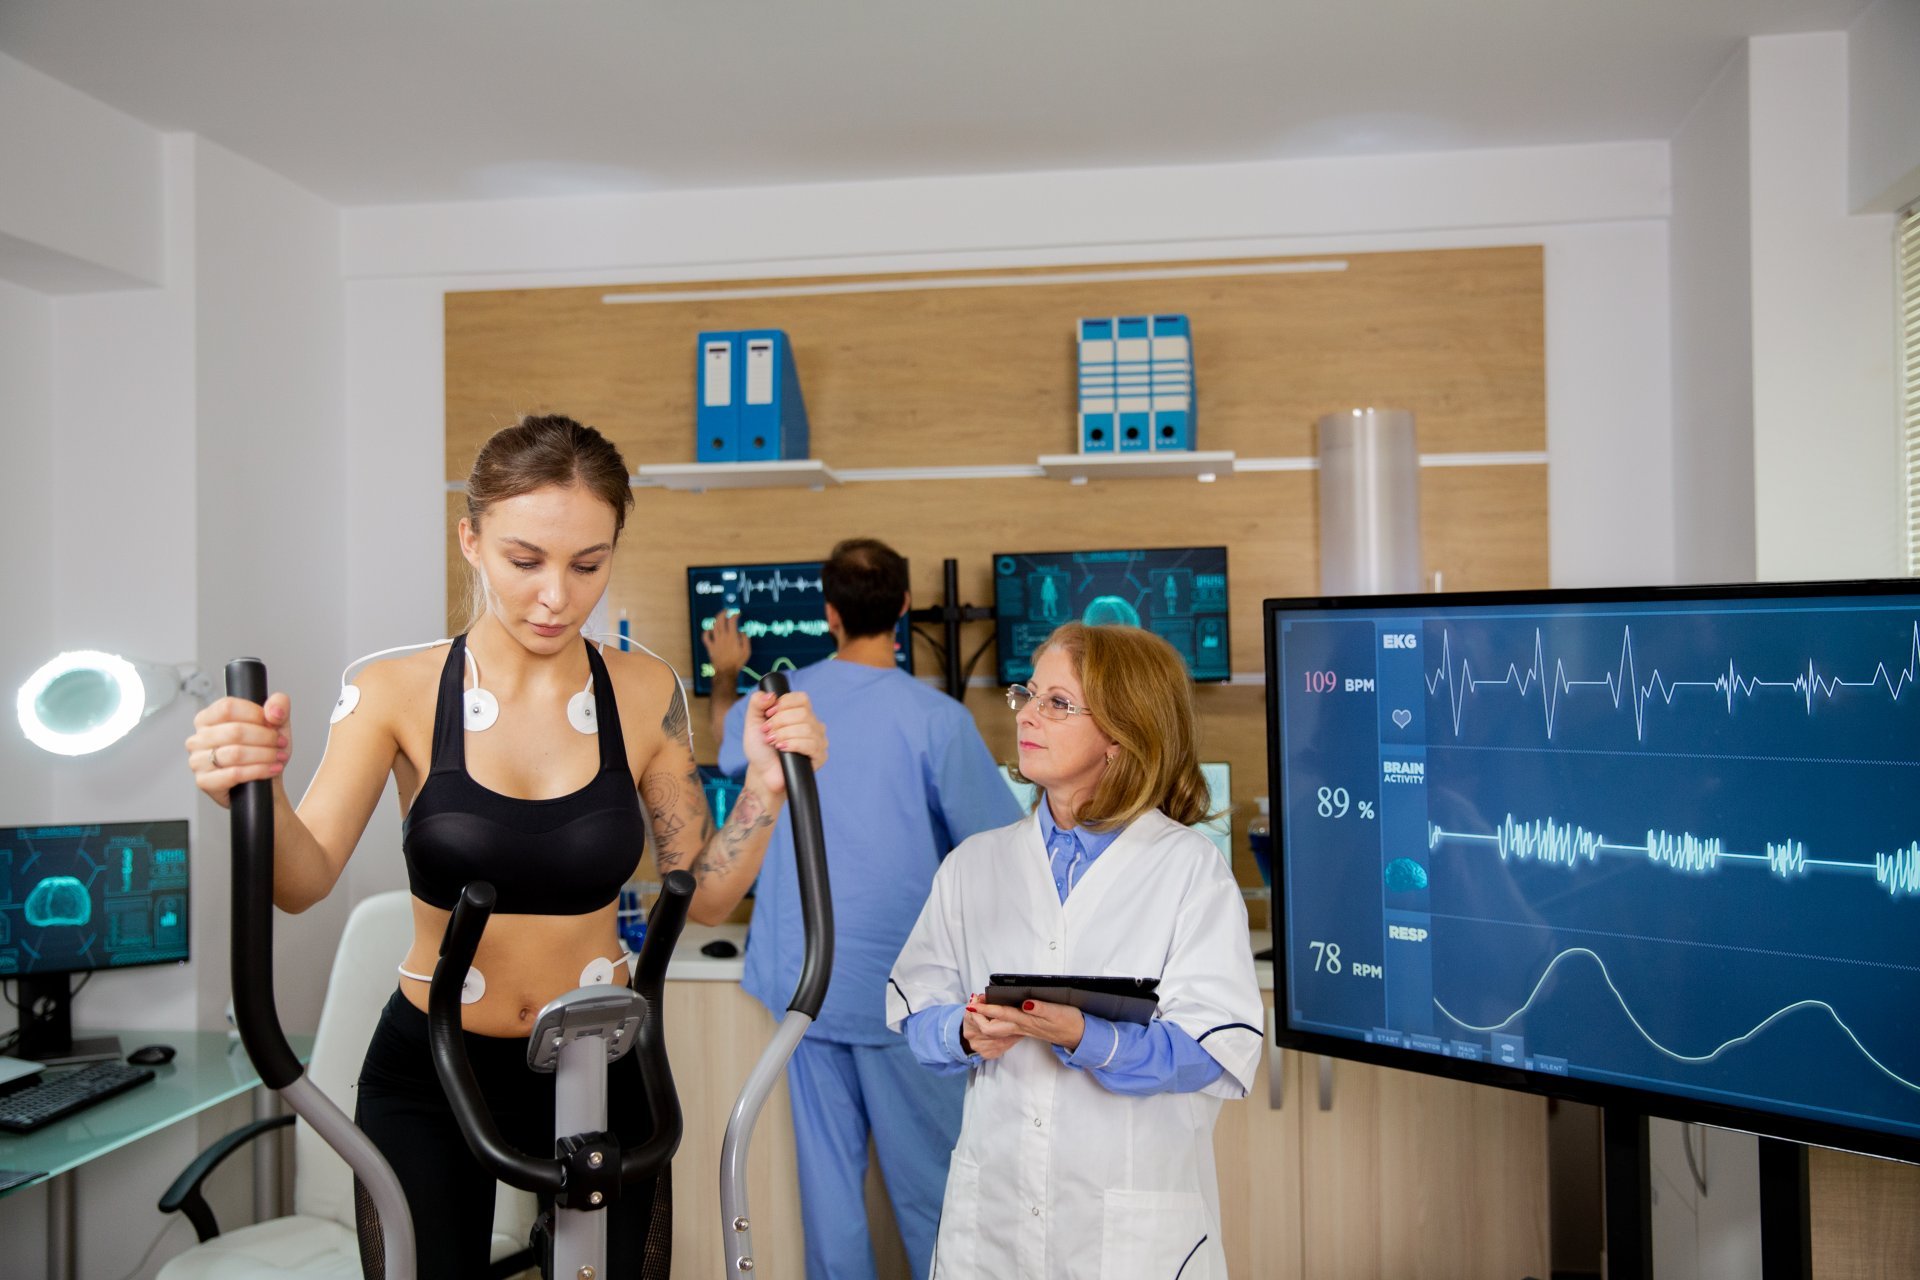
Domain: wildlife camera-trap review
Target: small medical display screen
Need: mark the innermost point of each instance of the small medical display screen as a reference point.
(1662, 841)
(1178, 593)
(100, 896)
(782, 614)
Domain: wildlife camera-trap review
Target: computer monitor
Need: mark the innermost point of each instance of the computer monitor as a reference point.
(1178, 593)
(1219, 776)
(782, 614)
(1654, 849)
(721, 791)
(81, 898)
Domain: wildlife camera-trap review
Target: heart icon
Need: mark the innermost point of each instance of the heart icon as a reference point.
(1402, 718)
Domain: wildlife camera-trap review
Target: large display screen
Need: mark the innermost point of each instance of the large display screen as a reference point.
(782, 615)
(1656, 848)
(1178, 593)
(100, 896)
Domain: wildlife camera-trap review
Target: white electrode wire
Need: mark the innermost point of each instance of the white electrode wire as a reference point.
(401, 648)
(679, 683)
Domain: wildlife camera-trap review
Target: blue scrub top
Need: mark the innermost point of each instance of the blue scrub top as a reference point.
(907, 779)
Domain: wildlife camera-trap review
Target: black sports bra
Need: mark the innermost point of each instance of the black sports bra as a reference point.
(560, 857)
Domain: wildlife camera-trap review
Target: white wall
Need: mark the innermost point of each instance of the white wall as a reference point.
(1883, 51)
(1826, 454)
(26, 506)
(1598, 210)
(185, 452)
(119, 541)
(80, 206)
(269, 457)
(1713, 335)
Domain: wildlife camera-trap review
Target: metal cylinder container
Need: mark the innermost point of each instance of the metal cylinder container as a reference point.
(1369, 503)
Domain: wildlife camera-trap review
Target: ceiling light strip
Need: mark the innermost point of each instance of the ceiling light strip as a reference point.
(981, 282)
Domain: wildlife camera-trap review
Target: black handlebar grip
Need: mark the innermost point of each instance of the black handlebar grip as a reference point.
(810, 857)
(251, 957)
(664, 923)
(469, 921)
(449, 1049)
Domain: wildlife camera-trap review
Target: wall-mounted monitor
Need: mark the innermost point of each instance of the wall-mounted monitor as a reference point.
(1178, 593)
(1656, 849)
(722, 792)
(1219, 776)
(782, 614)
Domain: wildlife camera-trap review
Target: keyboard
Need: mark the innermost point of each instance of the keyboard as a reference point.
(39, 1105)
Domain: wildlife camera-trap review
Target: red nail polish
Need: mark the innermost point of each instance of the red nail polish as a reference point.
(1027, 1005)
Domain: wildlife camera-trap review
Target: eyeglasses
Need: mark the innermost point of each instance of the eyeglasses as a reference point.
(1053, 706)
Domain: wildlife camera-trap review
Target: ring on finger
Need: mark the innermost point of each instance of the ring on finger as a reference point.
(213, 757)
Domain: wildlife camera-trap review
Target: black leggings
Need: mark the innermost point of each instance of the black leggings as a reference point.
(404, 1111)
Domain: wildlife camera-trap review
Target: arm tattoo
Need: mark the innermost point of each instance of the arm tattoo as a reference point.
(682, 823)
(750, 816)
(674, 723)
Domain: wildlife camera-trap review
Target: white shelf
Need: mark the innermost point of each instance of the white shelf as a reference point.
(1080, 467)
(695, 477)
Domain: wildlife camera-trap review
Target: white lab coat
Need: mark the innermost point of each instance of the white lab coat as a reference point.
(1054, 1176)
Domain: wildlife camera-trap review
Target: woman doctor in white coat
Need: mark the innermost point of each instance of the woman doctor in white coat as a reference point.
(1087, 1147)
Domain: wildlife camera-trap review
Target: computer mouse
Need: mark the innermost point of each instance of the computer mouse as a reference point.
(720, 949)
(151, 1055)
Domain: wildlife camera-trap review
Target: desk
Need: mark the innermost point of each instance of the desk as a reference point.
(208, 1069)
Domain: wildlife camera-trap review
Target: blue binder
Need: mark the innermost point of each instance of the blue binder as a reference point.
(773, 415)
(1096, 386)
(1172, 383)
(1133, 382)
(717, 399)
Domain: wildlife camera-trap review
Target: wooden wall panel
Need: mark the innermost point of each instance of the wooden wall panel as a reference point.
(916, 376)
(986, 375)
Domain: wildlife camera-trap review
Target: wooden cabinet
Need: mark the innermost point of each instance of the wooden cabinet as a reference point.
(1401, 1177)
(715, 1033)
(1418, 1178)
(1404, 1177)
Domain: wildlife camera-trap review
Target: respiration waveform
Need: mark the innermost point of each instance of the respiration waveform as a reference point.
(1566, 844)
(1624, 682)
(1688, 1059)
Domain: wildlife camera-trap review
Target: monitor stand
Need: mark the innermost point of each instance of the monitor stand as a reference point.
(1627, 1191)
(46, 1025)
(1786, 1220)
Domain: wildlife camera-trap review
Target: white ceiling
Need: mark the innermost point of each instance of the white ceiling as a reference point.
(395, 101)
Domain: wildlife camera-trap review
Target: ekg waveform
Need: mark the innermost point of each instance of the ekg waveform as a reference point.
(1566, 844)
(1689, 1059)
(1624, 685)
(774, 584)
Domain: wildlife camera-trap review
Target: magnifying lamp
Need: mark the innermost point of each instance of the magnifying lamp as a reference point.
(81, 701)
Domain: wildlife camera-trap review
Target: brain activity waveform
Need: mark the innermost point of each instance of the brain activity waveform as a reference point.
(1566, 844)
(1625, 684)
(753, 628)
(1689, 1059)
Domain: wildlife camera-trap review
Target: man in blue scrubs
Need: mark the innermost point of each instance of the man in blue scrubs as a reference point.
(910, 779)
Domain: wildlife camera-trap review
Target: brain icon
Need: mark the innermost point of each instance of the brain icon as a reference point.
(1108, 610)
(58, 900)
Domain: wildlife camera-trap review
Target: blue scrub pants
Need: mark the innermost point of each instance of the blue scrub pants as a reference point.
(841, 1094)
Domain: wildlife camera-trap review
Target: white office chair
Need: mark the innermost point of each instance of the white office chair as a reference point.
(320, 1239)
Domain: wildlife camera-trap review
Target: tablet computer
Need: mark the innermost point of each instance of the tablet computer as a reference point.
(1115, 999)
